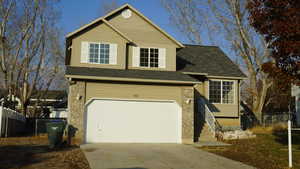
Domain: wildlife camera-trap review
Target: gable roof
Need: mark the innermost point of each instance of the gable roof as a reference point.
(210, 60)
(116, 30)
(130, 75)
(126, 6)
(98, 21)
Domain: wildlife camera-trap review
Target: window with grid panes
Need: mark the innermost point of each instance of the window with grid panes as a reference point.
(144, 57)
(215, 91)
(221, 91)
(149, 57)
(99, 53)
(227, 92)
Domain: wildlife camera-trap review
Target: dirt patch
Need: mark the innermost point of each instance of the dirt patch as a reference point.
(34, 153)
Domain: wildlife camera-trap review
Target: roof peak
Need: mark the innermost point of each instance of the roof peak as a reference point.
(103, 18)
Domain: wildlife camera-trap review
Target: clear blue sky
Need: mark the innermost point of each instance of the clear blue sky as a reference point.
(75, 13)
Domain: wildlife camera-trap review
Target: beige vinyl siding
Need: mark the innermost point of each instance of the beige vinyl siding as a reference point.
(133, 91)
(145, 35)
(170, 60)
(227, 114)
(226, 122)
(199, 90)
(226, 110)
(139, 30)
(101, 33)
(223, 110)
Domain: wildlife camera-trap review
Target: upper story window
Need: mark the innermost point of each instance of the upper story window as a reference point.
(149, 57)
(99, 53)
(221, 91)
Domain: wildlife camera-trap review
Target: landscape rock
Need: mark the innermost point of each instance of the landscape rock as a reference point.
(238, 134)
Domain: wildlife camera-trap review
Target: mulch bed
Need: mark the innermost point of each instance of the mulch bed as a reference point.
(33, 153)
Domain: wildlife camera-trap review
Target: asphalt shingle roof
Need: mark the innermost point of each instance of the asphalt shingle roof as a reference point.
(130, 73)
(206, 59)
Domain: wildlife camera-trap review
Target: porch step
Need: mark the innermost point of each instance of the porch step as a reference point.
(206, 134)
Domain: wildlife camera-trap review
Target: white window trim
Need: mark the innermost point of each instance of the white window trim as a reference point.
(99, 43)
(148, 57)
(234, 91)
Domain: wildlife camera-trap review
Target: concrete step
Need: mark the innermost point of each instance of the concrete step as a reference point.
(206, 134)
(210, 144)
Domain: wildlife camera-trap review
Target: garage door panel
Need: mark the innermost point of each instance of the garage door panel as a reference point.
(133, 121)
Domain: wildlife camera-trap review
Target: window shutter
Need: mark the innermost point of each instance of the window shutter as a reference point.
(84, 52)
(113, 53)
(162, 58)
(135, 56)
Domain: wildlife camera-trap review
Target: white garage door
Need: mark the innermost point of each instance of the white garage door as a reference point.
(128, 121)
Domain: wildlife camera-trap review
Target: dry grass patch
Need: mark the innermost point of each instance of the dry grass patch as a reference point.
(33, 153)
(269, 129)
(267, 151)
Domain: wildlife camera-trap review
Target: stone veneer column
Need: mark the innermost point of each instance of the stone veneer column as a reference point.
(76, 107)
(187, 115)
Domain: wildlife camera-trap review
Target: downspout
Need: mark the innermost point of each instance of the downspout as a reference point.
(126, 55)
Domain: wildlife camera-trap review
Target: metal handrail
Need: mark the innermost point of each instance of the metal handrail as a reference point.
(210, 119)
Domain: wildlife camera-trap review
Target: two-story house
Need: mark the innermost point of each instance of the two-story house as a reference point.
(130, 81)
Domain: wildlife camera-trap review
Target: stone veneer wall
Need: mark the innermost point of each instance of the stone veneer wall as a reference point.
(76, 107)
(187, 115)
(77, 110)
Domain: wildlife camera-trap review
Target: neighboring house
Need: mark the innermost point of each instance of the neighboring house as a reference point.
(59, 110)
(296, 94)
(59, 113)
(52, 101)
(130, 81)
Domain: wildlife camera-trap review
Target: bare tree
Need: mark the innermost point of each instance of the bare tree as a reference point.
(29, 53)
(228, 19)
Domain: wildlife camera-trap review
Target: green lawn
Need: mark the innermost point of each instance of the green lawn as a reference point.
(268, 150)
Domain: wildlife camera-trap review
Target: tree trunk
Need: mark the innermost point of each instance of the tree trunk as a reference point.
(24, 107)
(260, 100)
(256, 100)
(257, 109)
(2, 60)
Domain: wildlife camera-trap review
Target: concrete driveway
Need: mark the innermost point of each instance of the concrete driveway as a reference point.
(154, 156)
